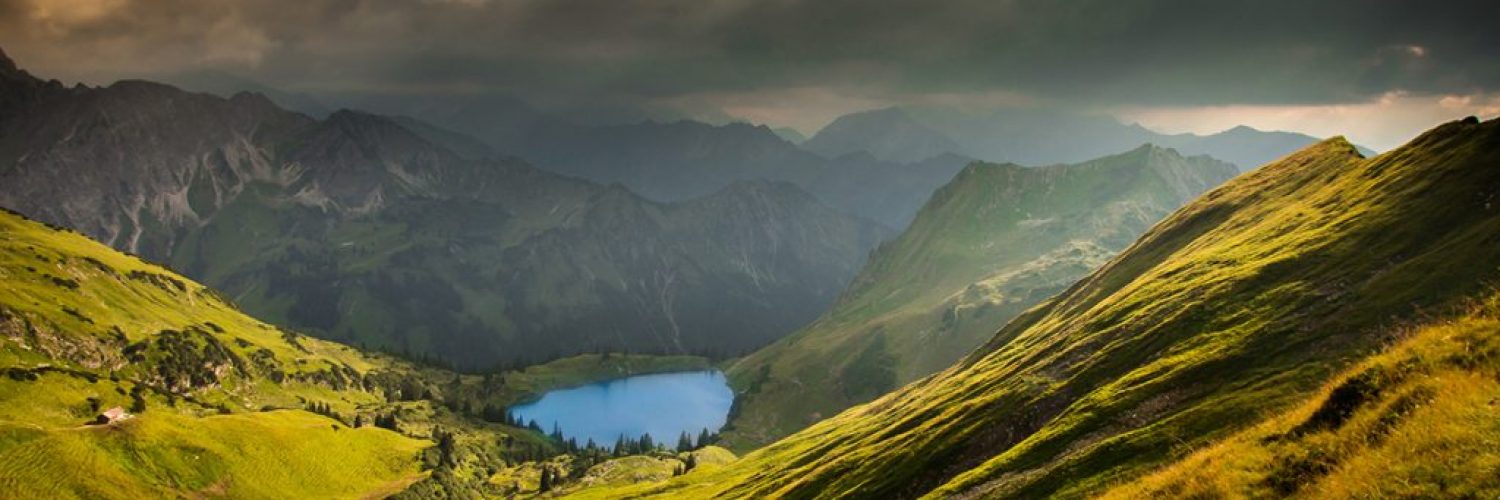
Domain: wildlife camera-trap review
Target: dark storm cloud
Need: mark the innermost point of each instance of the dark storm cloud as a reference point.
(1165, 52)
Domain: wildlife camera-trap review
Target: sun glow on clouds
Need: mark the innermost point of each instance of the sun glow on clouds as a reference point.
(65, 15)
(1382, 123)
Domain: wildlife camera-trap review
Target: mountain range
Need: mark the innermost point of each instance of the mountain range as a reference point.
(880, 164)
(357, 228)
(991, 244)
(1032, 137)
(1323, 325)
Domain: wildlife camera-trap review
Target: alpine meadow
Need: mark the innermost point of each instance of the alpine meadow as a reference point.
(749, 250)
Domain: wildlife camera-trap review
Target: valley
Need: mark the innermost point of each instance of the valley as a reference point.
(994, 242)
(749, 250)
(355, 229)
(1248, 300)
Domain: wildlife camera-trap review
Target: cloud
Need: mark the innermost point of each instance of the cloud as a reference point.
(1082, 53)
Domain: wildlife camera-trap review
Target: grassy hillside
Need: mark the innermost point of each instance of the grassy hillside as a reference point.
(260, 455)
(1417, 421)
(221, 403)
(1247, 301)
(86, 328)
(996, 240)
(524, 479)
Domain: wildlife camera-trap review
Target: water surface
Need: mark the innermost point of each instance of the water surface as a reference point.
(664, 405)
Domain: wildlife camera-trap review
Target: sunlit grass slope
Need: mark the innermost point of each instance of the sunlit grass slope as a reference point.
(993, 242)
(1419, 421)
(84, 328)
(278, 454)
(1244, 303)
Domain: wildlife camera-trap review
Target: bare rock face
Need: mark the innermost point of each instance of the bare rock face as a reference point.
(356, 228)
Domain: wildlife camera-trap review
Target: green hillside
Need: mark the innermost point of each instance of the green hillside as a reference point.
(1418, 421)
(86, 329)
(998, 239)
(1242, 304)
(222, 404)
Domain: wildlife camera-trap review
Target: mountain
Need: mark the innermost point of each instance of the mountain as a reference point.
(227, 85)
(671, 161)
(505, 123)
(681, 160)
(1037, 136)
(995, 241)
(888, 134)
(461, 144)
(1244, 146)
(1240, 306)
(789, 134)
(356, 228)
(685, 159)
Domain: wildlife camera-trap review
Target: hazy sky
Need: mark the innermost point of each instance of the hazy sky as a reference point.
(1375, 70)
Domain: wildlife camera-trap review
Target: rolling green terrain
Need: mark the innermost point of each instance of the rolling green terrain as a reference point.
(1244, 303)
(86, 328)
(222, 404)
(994, 242)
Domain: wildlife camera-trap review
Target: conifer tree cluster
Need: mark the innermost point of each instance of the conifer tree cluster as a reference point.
(685, 441)
(386, 421)
(323, 409)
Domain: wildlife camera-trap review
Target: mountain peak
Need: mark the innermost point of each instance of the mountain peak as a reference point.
(362, 124)
(253, 98)
(889, 134)
(1150, 148)
(9, 71)
(6, 65)
(344, 115)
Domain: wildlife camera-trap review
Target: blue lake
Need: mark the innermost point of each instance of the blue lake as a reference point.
(664, 404)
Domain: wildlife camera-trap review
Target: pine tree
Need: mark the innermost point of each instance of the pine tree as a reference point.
(546, 483)
(446, 446)
(646, 444)
(137, 399)
(703, 439)
(684, 442)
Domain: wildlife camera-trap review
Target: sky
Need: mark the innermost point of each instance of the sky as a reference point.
(1377, 71)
